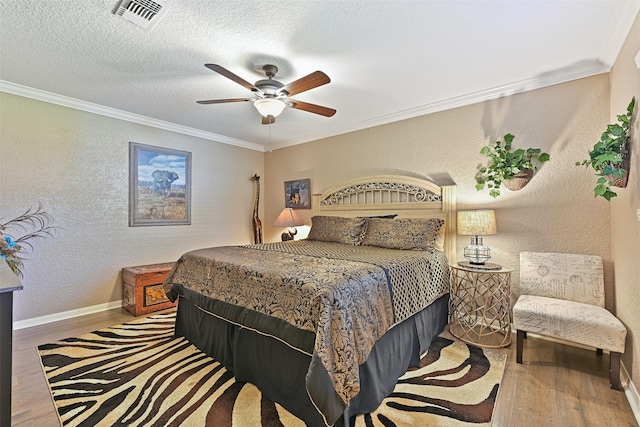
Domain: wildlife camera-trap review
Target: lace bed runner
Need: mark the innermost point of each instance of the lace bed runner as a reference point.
(417, 278)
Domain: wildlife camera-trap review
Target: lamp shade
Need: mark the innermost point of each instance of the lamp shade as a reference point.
(269, 106)
(288, 218)
(476, 223)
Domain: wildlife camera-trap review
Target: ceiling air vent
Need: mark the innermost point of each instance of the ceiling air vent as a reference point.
(143, 13)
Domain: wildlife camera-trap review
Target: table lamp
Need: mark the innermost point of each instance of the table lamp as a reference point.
(477, 223)
(288, 218)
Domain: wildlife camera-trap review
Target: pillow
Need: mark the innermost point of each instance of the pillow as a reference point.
(337, 229)
(389, 216)
(403, 233)
(439, 244)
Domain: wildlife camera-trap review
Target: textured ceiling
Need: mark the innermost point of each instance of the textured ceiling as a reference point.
(387, 60)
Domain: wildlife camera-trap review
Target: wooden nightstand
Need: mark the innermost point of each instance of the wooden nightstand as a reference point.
(142, 290)
(480, 305)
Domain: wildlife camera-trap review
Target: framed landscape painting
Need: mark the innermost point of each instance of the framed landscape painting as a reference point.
(159, 186)
(297, 194)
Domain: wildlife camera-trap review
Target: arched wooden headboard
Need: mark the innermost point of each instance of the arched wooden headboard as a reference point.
(408, 197)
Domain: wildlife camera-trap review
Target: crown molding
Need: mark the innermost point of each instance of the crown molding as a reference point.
(90, 107)
(617, 34)
(572, 72)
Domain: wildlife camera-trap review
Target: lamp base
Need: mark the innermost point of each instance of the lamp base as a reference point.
(476, 252)
(288, 235)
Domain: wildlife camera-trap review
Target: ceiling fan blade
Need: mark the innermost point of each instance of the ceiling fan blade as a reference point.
(312, 108)
(228, 74)
(222, 101)
(313, 80)
(268, 120)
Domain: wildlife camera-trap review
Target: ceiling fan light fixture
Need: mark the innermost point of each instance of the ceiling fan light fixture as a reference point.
(271, 96)
(269, 106)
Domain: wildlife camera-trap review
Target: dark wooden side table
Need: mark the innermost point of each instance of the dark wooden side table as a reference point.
(480, 305)
(8, 284)
(142, 290)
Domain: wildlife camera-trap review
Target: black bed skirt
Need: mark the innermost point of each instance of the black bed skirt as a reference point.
(279, 371)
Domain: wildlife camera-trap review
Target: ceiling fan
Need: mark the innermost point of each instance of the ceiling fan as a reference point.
(271, 96)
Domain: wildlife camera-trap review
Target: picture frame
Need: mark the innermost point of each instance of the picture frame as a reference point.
(159, 186)
(297, 194)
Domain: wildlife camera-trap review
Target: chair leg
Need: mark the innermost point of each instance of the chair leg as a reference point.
(614, 370)
(520, 336)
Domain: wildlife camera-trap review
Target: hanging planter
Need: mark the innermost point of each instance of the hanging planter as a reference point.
(519, 180)
(514, 169)
(625, 166)
(610, 157)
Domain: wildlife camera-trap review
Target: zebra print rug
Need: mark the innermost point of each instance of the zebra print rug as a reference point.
(139, 374)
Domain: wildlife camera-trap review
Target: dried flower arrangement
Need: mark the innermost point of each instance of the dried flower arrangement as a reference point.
(36, 224)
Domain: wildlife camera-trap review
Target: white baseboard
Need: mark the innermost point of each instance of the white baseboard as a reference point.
(630, 391)
(36, 321)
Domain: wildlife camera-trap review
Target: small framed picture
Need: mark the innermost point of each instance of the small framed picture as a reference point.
(297, 194)
(159, 186)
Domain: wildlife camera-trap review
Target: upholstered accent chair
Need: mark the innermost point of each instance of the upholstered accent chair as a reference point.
(562, 296)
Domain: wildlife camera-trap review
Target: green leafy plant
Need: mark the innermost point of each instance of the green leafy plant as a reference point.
(607, 155)
(505, 164)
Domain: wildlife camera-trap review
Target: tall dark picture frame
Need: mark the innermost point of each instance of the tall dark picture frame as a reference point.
(159, 186)
(297, 194)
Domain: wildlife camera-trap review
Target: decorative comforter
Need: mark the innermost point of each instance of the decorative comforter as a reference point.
(348, 296)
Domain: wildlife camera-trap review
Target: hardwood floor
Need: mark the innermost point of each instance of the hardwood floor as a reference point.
(558, 385)
(31, 402)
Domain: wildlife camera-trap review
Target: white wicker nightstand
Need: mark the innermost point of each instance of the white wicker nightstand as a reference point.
(480, 306)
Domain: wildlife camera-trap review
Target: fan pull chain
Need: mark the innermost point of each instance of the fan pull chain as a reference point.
(270, 124)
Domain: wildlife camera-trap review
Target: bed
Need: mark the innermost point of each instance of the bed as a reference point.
(325, 325)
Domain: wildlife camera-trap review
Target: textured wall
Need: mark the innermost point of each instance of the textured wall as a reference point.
(77, 165)
(625, 222)
(555, 212)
